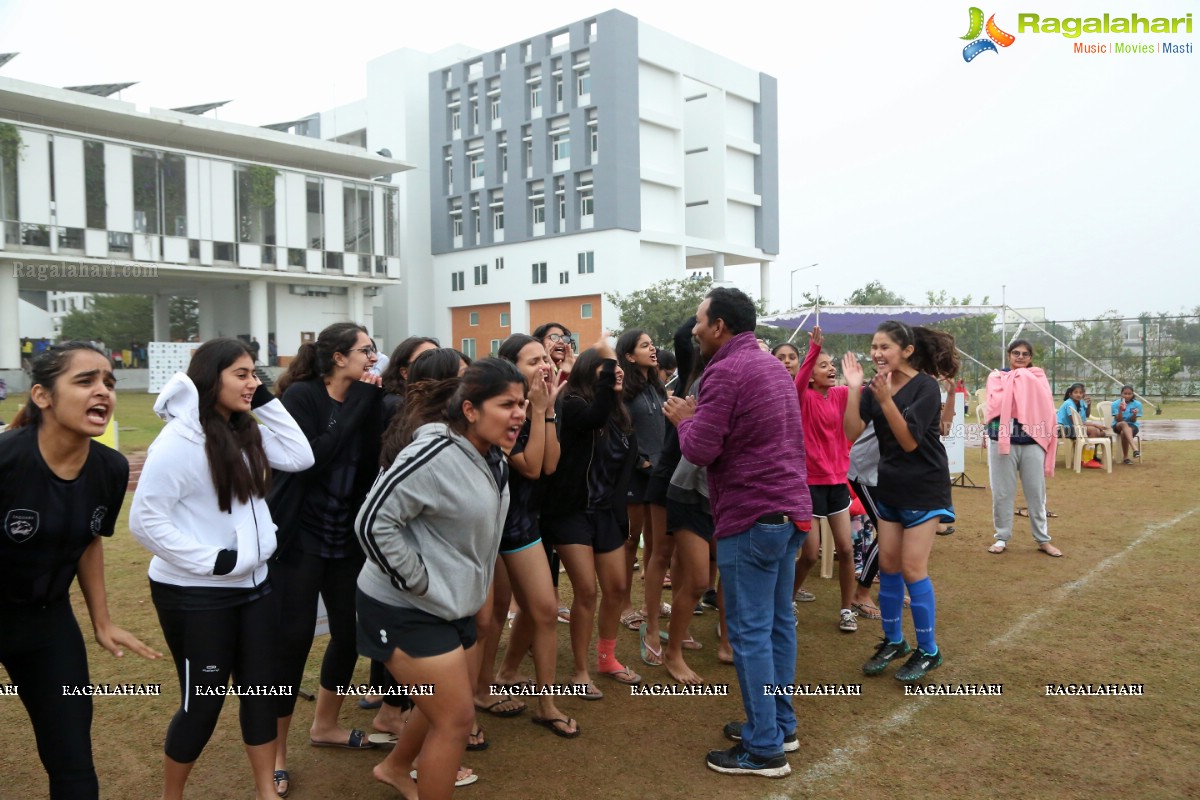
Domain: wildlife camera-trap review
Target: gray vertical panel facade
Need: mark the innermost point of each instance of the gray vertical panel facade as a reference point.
(614, 96)
(766, 172)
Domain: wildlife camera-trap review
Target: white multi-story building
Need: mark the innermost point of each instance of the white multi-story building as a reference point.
(276, 235)
(602, 156)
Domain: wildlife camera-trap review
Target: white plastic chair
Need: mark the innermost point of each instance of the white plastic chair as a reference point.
(1082, 439)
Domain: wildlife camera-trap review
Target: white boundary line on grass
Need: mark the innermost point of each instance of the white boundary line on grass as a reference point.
(840, 758)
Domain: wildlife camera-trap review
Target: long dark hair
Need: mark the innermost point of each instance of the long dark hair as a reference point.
(45, 372)
(635, 380)
(236, 459)
(315, 359)
(432, 379)
(582, 383)
(392, 379)
(510, 348)
(1071, 388)
(933, 351)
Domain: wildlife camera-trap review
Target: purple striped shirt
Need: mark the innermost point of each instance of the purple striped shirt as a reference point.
(747, 431)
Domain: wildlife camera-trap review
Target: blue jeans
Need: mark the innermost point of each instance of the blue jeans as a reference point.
(757, 569)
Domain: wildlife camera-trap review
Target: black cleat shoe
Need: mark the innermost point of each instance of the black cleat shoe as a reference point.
(885, 653)
(918, 664)
(733, 732)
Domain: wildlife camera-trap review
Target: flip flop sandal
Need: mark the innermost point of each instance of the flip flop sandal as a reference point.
(383, 739)
(689, 643)
(367, 705)
(564, 615)
(624, 675)
(465, 781)
(633, 620)
(867, 610)
(477, 746)
(512, 712)
(593, 693)
(648, 651)
(997, 549)
(281, 776)
(357, 741)
(552, 724)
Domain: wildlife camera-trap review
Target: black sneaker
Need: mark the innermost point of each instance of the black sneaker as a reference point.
(918, 664)
(709, 600)
(698, 610)
(733, 732)
(885, 653)
(736, 761)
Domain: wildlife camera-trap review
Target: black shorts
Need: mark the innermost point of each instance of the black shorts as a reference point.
(521, 540)
(598, 530)
(635, 493)
(830, 499)
(656, 490)
(383, 629)
(689, 517)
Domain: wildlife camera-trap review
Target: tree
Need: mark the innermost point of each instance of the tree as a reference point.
(115, 319)
(875, 294)
(185, 318)
(661, 308)
(118, 319)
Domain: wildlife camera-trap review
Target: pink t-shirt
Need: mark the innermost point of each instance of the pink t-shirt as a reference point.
(825, 444)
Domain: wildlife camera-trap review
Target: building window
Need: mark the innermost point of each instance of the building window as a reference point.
(504, 319)
(504, 162)
(145, 192)
(558, 90)
(494, 347)
(457, 281)
(495, 103)
(585, 311)
(539, 272)
(498, 218)
(457, 225)
(560, 146)
(499, 263)
(535, 95)
(564, 277)
(391, 222)
(586, 202)
(583, 82)
(539, 212)
(587, 262)
(481, 274)
(357, 218)
(93, 186)
(477, 165)
(474, 115)
(455, 121)
(468, 348)
(474, 318)
(315, 213)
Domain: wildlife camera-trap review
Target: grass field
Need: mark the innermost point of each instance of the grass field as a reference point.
(1116, 609)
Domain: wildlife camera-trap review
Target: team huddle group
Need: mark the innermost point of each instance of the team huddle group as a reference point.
(422, 499)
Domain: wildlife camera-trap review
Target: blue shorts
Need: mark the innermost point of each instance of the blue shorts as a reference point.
(912, 517)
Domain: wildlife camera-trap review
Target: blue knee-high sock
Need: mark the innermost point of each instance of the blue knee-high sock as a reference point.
(924, 613)
(891, 604)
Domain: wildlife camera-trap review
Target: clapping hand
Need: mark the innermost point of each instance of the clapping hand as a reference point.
(851, 370)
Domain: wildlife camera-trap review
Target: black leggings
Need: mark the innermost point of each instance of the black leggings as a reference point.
(300, 577)
(870, 566)
(381, 678)
(552, 555)
(209, 647)
(42, 649)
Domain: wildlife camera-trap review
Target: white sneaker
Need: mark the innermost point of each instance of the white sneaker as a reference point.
(847, 621)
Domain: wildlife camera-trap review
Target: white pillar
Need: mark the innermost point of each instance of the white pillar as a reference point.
(206, 313)
(162, 318)
(718, 268)
(10, 315)
(355, 295)
(764, 284)
(259, 325)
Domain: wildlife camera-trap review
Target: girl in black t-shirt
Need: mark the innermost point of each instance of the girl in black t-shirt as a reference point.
(60, 492)
(913, 494)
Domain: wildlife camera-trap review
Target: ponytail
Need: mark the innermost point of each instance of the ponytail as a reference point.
(933, 351)
(45, 372)
(315, 359)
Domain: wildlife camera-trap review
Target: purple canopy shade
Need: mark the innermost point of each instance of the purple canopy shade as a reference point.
(838, 321)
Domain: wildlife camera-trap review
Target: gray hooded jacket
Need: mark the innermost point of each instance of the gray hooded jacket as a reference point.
(431, 527)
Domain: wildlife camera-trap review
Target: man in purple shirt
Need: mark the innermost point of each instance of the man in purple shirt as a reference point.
(745, 427)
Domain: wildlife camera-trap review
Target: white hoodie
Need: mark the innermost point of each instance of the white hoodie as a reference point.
(176, 514)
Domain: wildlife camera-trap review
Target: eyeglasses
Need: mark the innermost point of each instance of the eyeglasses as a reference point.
(557, 337)
(1020, 354)
(366, 351)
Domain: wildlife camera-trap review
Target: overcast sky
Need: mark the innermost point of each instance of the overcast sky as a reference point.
(1072, 179)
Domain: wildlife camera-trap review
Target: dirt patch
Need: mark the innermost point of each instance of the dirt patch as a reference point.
(1116, 609)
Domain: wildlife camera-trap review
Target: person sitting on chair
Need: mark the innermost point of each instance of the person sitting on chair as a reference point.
(1076, 398)
(1126, 413)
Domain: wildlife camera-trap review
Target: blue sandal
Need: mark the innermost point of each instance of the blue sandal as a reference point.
(281, 776)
